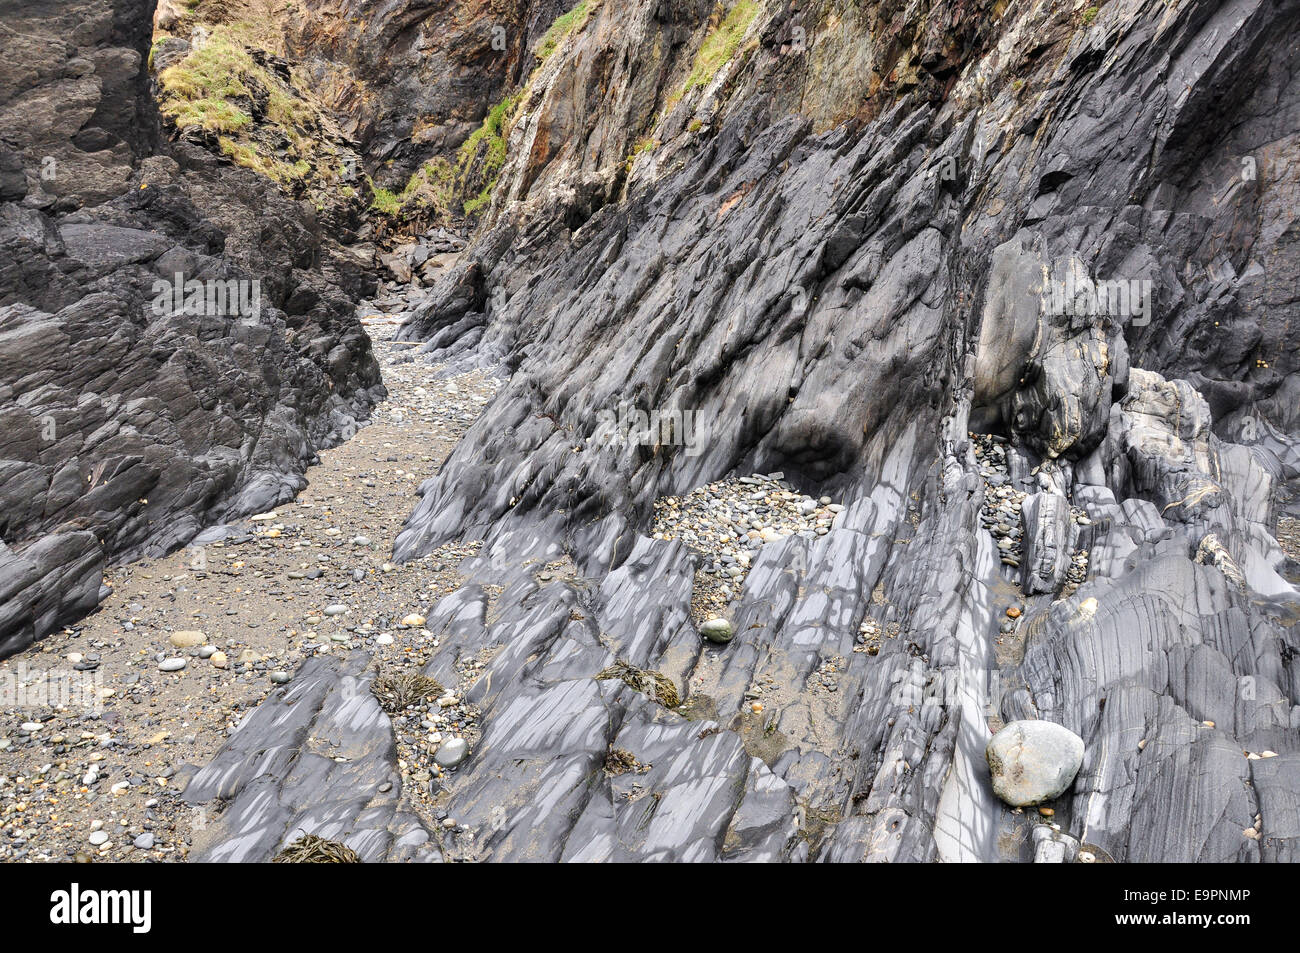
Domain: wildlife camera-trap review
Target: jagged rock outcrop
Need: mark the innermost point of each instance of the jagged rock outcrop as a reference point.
(411, 81)
(1049, 541)
(328, 734)
(137, 409)
(845, 302)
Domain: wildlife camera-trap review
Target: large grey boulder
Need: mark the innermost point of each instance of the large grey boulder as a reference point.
(1033, 761)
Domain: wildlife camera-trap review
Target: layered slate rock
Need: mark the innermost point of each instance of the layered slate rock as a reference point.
(316, 757)
(1049, 538)
(847, 302)
(130, 419)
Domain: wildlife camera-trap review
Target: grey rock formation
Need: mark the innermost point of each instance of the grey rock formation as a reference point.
(317, 757)
(1053, 847)
(846, 301)
(132, 414)
(1048, 543)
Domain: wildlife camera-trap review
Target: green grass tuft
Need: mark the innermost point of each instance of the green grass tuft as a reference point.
(215, 88)
(721, 45)
(489, 141)
(385, 201)
(214, 115)
(564, 26)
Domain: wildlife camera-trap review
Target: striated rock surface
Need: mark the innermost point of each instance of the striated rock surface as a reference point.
(857, 237)
(135, 410)
(315, 757)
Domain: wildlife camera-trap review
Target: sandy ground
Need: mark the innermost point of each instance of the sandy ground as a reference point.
(91, 779)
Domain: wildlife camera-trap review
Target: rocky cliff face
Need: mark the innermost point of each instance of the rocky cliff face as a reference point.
(1000, 299)
(412, 81)
(137, 407)
(1071, 231)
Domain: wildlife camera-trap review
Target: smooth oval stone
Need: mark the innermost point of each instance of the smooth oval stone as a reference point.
(717, 630)
(186, 638)
(451, 752)
(171, 665)
(1033, 761)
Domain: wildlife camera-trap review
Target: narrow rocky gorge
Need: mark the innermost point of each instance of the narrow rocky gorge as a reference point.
(814, 432)
(187, 645)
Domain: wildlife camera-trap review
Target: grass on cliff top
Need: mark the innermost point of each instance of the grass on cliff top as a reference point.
(565, 25)
(215, 72)
(721, 44)
(214, 89)
(214, 115)
(223, 69)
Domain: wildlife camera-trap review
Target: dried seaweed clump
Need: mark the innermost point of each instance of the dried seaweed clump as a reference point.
(397, 691)
(655, 684)
(311, 849)
(621, 761)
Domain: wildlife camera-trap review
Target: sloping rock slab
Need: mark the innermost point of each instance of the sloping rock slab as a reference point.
(311, 759)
